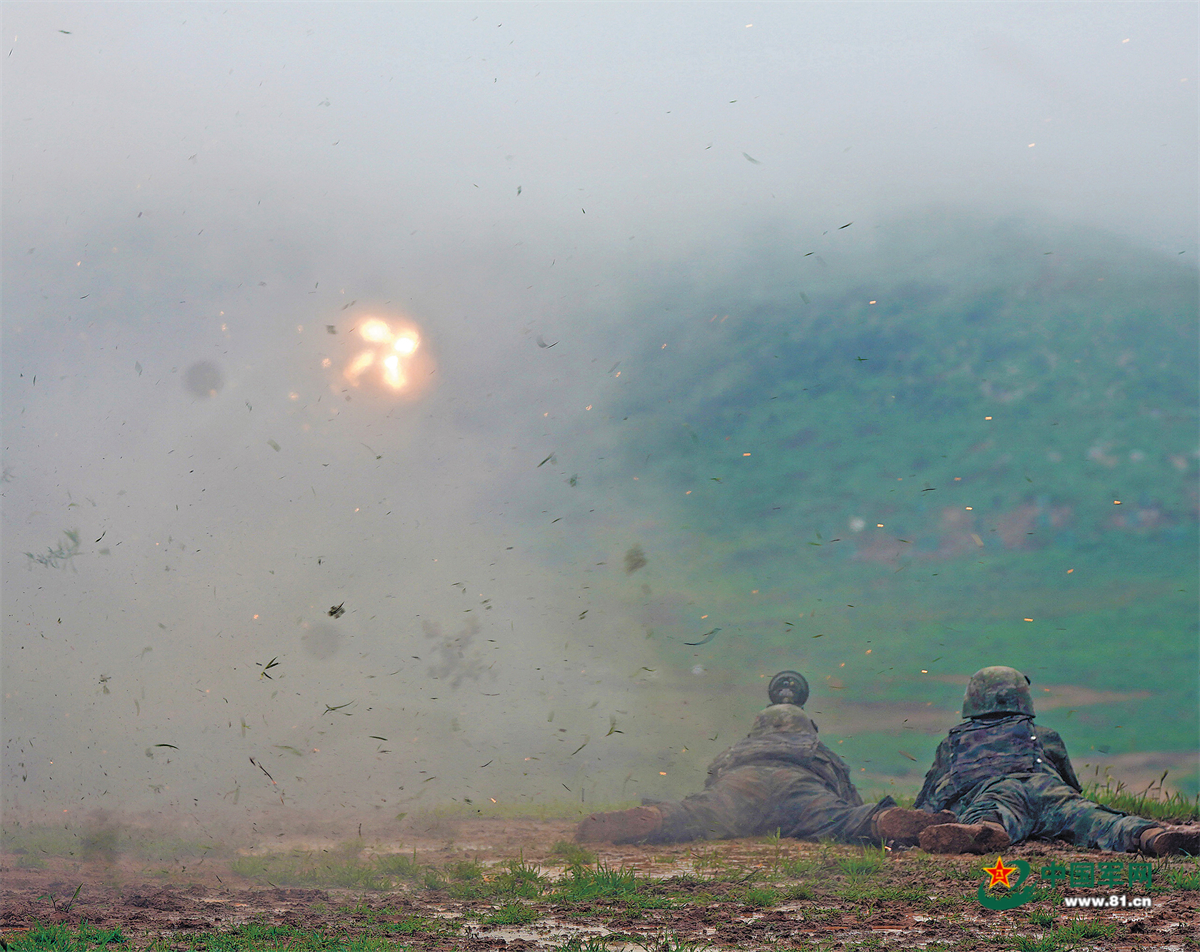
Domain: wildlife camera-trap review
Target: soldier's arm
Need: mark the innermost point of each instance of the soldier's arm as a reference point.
(925, 799)
(1056, 751)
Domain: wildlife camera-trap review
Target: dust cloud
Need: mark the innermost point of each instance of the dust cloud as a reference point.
(236, 579)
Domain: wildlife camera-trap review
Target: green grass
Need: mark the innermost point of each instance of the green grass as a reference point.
(1175, 873)
(875, 893)
(592, 944)
(1154, 802)
(709, 860)
(1066, 937)
(464, 871)
(93, 842)
(306, 868)
(57, 938)
(398, 866)
(801, 867)
(665, 942)
(572, 854)
(862, 865)
(346, 867)
(343, 866)
(421, 925)
(758, 897)
(602, 883)
(1041, 918)
(511, 914)
(518, 878)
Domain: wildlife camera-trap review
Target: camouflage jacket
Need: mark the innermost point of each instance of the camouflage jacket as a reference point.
(985, 748)
(801, 751)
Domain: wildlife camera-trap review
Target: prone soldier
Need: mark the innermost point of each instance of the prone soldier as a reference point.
(1007, 780)
(780, 777)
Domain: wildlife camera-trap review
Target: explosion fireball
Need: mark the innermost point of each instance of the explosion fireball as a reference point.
(391, 357)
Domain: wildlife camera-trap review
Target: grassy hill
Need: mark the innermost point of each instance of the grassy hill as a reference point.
(890, 460)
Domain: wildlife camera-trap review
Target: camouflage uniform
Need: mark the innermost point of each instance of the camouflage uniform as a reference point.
(1000, 767)
(782, 778)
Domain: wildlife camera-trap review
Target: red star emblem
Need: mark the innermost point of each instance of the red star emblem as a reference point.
(1000, 873)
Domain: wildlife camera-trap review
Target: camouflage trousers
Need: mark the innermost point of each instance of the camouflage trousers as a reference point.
(758, 800)
(1042, 807)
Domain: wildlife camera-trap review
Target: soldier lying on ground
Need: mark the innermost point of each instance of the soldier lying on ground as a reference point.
(1008, 780)
(781, 777)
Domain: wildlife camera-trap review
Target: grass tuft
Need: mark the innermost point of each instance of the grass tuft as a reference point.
(862, 865)
(519, 879)
(592, 944)
(1065, 938)
(512, 914)
(758, 897)
(1154, 802)
(1170, 873)
(603, 882)
(572, 853)
(1041, 918)
(58, 938)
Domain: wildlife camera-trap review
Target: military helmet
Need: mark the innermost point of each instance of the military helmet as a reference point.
(788, 687)
(782, 719)
(997, 690)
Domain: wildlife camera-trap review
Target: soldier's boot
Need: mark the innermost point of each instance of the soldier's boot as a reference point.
(903, 827)
(624, 826)
(964, 838)
(1170, 840)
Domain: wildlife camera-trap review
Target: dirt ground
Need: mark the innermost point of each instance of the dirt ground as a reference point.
(702, 885)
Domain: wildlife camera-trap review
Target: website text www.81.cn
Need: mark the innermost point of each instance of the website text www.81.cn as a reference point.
(1115, 901)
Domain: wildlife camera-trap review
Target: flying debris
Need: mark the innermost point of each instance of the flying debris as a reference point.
(708, 636)
(330, 710)
(541, 342)
(337, 611)
(265, 668)
(750, 158)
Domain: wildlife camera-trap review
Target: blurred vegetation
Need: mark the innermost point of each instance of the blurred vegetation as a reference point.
(103, 841)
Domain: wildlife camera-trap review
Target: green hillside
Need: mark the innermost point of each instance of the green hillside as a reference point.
(879, 465)
(815, 408)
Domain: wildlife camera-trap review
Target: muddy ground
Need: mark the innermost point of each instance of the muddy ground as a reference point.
(715, 894)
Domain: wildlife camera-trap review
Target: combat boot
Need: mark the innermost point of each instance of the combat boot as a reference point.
(1170, 840)
(964, 838)
(902, 827)
(624, 826)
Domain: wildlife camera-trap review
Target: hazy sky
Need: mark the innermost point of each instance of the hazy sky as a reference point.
(204, 203)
